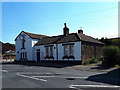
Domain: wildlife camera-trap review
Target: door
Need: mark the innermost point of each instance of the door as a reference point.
(38, 55)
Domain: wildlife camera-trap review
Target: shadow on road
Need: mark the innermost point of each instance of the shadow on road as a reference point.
(55, 64)
(112, 77)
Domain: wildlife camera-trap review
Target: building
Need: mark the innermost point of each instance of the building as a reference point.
(66, 47)
(7, 50)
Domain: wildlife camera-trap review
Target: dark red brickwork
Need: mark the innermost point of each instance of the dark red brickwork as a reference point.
(90, 50)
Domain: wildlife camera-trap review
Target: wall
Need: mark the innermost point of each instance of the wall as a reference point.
(28, 46)
(76, 51)
(90, 50)
(43, 52)
(34, 41)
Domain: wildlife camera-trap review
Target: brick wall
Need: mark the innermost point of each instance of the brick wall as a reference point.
(90, 50)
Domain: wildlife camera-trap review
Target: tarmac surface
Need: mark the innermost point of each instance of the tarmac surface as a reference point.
(58, 75)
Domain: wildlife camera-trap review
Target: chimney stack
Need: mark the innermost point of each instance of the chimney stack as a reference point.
(65, 30)
(80, 31)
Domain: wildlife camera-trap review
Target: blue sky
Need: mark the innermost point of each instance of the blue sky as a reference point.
(98, 19)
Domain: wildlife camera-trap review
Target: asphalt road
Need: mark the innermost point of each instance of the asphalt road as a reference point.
(50, 76)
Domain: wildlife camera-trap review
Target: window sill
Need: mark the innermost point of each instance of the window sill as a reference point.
(68, 57)
(22, 48)
(49, 57)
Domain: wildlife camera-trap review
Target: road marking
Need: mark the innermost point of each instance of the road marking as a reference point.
(99, 86)
(60, 77)
(4, 71)
(31, 77)
(78, 77)
(45, 76)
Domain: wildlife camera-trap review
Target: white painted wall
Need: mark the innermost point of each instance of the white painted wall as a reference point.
(43, 52)
(34, 41)
(29, 43)
(76, 51)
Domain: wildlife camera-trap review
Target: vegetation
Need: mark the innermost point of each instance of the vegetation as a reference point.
(111, 55)
(91, 61)
(106, 41)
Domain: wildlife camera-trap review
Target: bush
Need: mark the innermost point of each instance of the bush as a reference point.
(116, 42)
(111, 55)
(90, 61)
(93, 60)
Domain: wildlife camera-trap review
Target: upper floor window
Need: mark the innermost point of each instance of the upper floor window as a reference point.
(23, 44)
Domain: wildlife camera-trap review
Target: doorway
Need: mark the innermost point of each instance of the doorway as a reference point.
(38, 55)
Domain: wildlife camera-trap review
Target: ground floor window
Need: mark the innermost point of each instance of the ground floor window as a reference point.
(49, 52)
(68, 51)
(65, 50)
(23, 55)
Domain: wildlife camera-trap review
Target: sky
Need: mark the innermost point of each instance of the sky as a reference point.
(97, 19)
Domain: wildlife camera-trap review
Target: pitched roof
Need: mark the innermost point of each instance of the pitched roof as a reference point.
(32, 35)
(69, 38)
(73, 37)
(87, 38)
(49, 40)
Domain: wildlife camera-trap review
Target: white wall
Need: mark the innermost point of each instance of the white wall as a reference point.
(43, 52)
(29, 42)
(34, 41)
(76, 51)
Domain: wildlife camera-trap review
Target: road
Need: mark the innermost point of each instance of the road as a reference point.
(49, 76)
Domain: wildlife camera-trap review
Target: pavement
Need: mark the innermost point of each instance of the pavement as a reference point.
(58, 76)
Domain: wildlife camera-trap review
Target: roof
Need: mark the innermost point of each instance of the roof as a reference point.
(87, 38)
(73, 37)
(49, 40)
(32, 35)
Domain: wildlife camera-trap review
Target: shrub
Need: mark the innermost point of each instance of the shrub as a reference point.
(90, 61)
(116, 42)
(93, 60)
(111, 55)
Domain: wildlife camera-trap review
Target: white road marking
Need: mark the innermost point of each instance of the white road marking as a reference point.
(60, 77)
(4, 71)
(45, 76)
(31, 77)
(78, 77)
(99, 86)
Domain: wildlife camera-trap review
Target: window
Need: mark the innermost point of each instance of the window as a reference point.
(47, 51)
(25, 54)
(65, 50)
(23, 43)
(70, 50)
(51, 51)
(21, 55)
